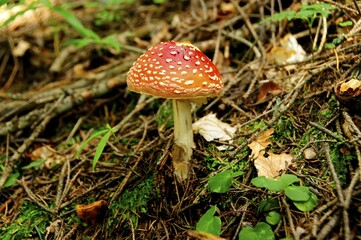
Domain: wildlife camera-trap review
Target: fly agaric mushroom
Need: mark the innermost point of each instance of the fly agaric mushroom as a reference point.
(179, 71)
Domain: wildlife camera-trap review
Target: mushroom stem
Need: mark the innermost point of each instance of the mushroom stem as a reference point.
(183, 138)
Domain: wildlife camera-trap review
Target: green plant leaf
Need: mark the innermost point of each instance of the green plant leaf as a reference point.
(12, 18)
(79, 42)
(298, 193)
(46, 3)
(111, 41)
(221, 182)
(277, 17)
(266, 205)
(100, 148)
(273, 218)
(237, 174)
(306, 12)
(275, 185)
(329, 45)
(306, 206)
(82, 146)
(262, 231)
(159, 1)
(209, 223)
(35, 164)
(248, 233)
(12, 179)
(2, 2)
(346, 24)
(260, 182)
(75, 23)
(289, 179)
(316, 8)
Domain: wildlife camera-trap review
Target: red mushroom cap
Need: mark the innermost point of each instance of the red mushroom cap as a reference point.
(175, 70)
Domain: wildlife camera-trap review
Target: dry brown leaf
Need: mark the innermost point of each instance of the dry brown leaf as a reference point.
(289, 52)
(268, 88)
(48, 154)
(20, 49)
(272, 165)
(261, 142)
(210, 127)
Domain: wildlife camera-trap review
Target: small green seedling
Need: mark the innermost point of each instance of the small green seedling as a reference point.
(105, 134)
(301, 196)
(308, 12)
(221, 182)
(273, 218)
(269, 207)
(88, 36)
(209, 223)
(262, 231)
(12, 179)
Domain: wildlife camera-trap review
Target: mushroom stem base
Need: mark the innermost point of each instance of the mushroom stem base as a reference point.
(183, 138)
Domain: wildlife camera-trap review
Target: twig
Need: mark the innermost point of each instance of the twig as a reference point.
(349, 192)
(59, 189)
(339, 191)
(358, 155)
(319, 222)
(244, 209)
(246, 42)
(104, 183)
(329, 226)
(125, 180)
(16, 156)
(250, 27)
(34, 198)
(70, 234)
(353, 128)
(323, 20)
(290, 221)
(137, 108)
(326, 149)
(253, 81)
(328, 132)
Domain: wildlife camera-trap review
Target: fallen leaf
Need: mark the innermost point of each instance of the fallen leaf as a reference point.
(20, 49)
(48, 154)
(289, 43)
(210, 127)
(284, 54)
(268, 88)
(272, 164)
(261, 142)
(289, 51)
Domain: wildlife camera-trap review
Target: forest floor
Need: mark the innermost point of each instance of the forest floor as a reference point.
(284, 162)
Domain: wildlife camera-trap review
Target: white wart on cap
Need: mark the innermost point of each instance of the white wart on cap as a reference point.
(175, 70)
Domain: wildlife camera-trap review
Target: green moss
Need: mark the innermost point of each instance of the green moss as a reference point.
(284, 129)
(30, 223)
(132, 204)
(215, 159)
(341, 162)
